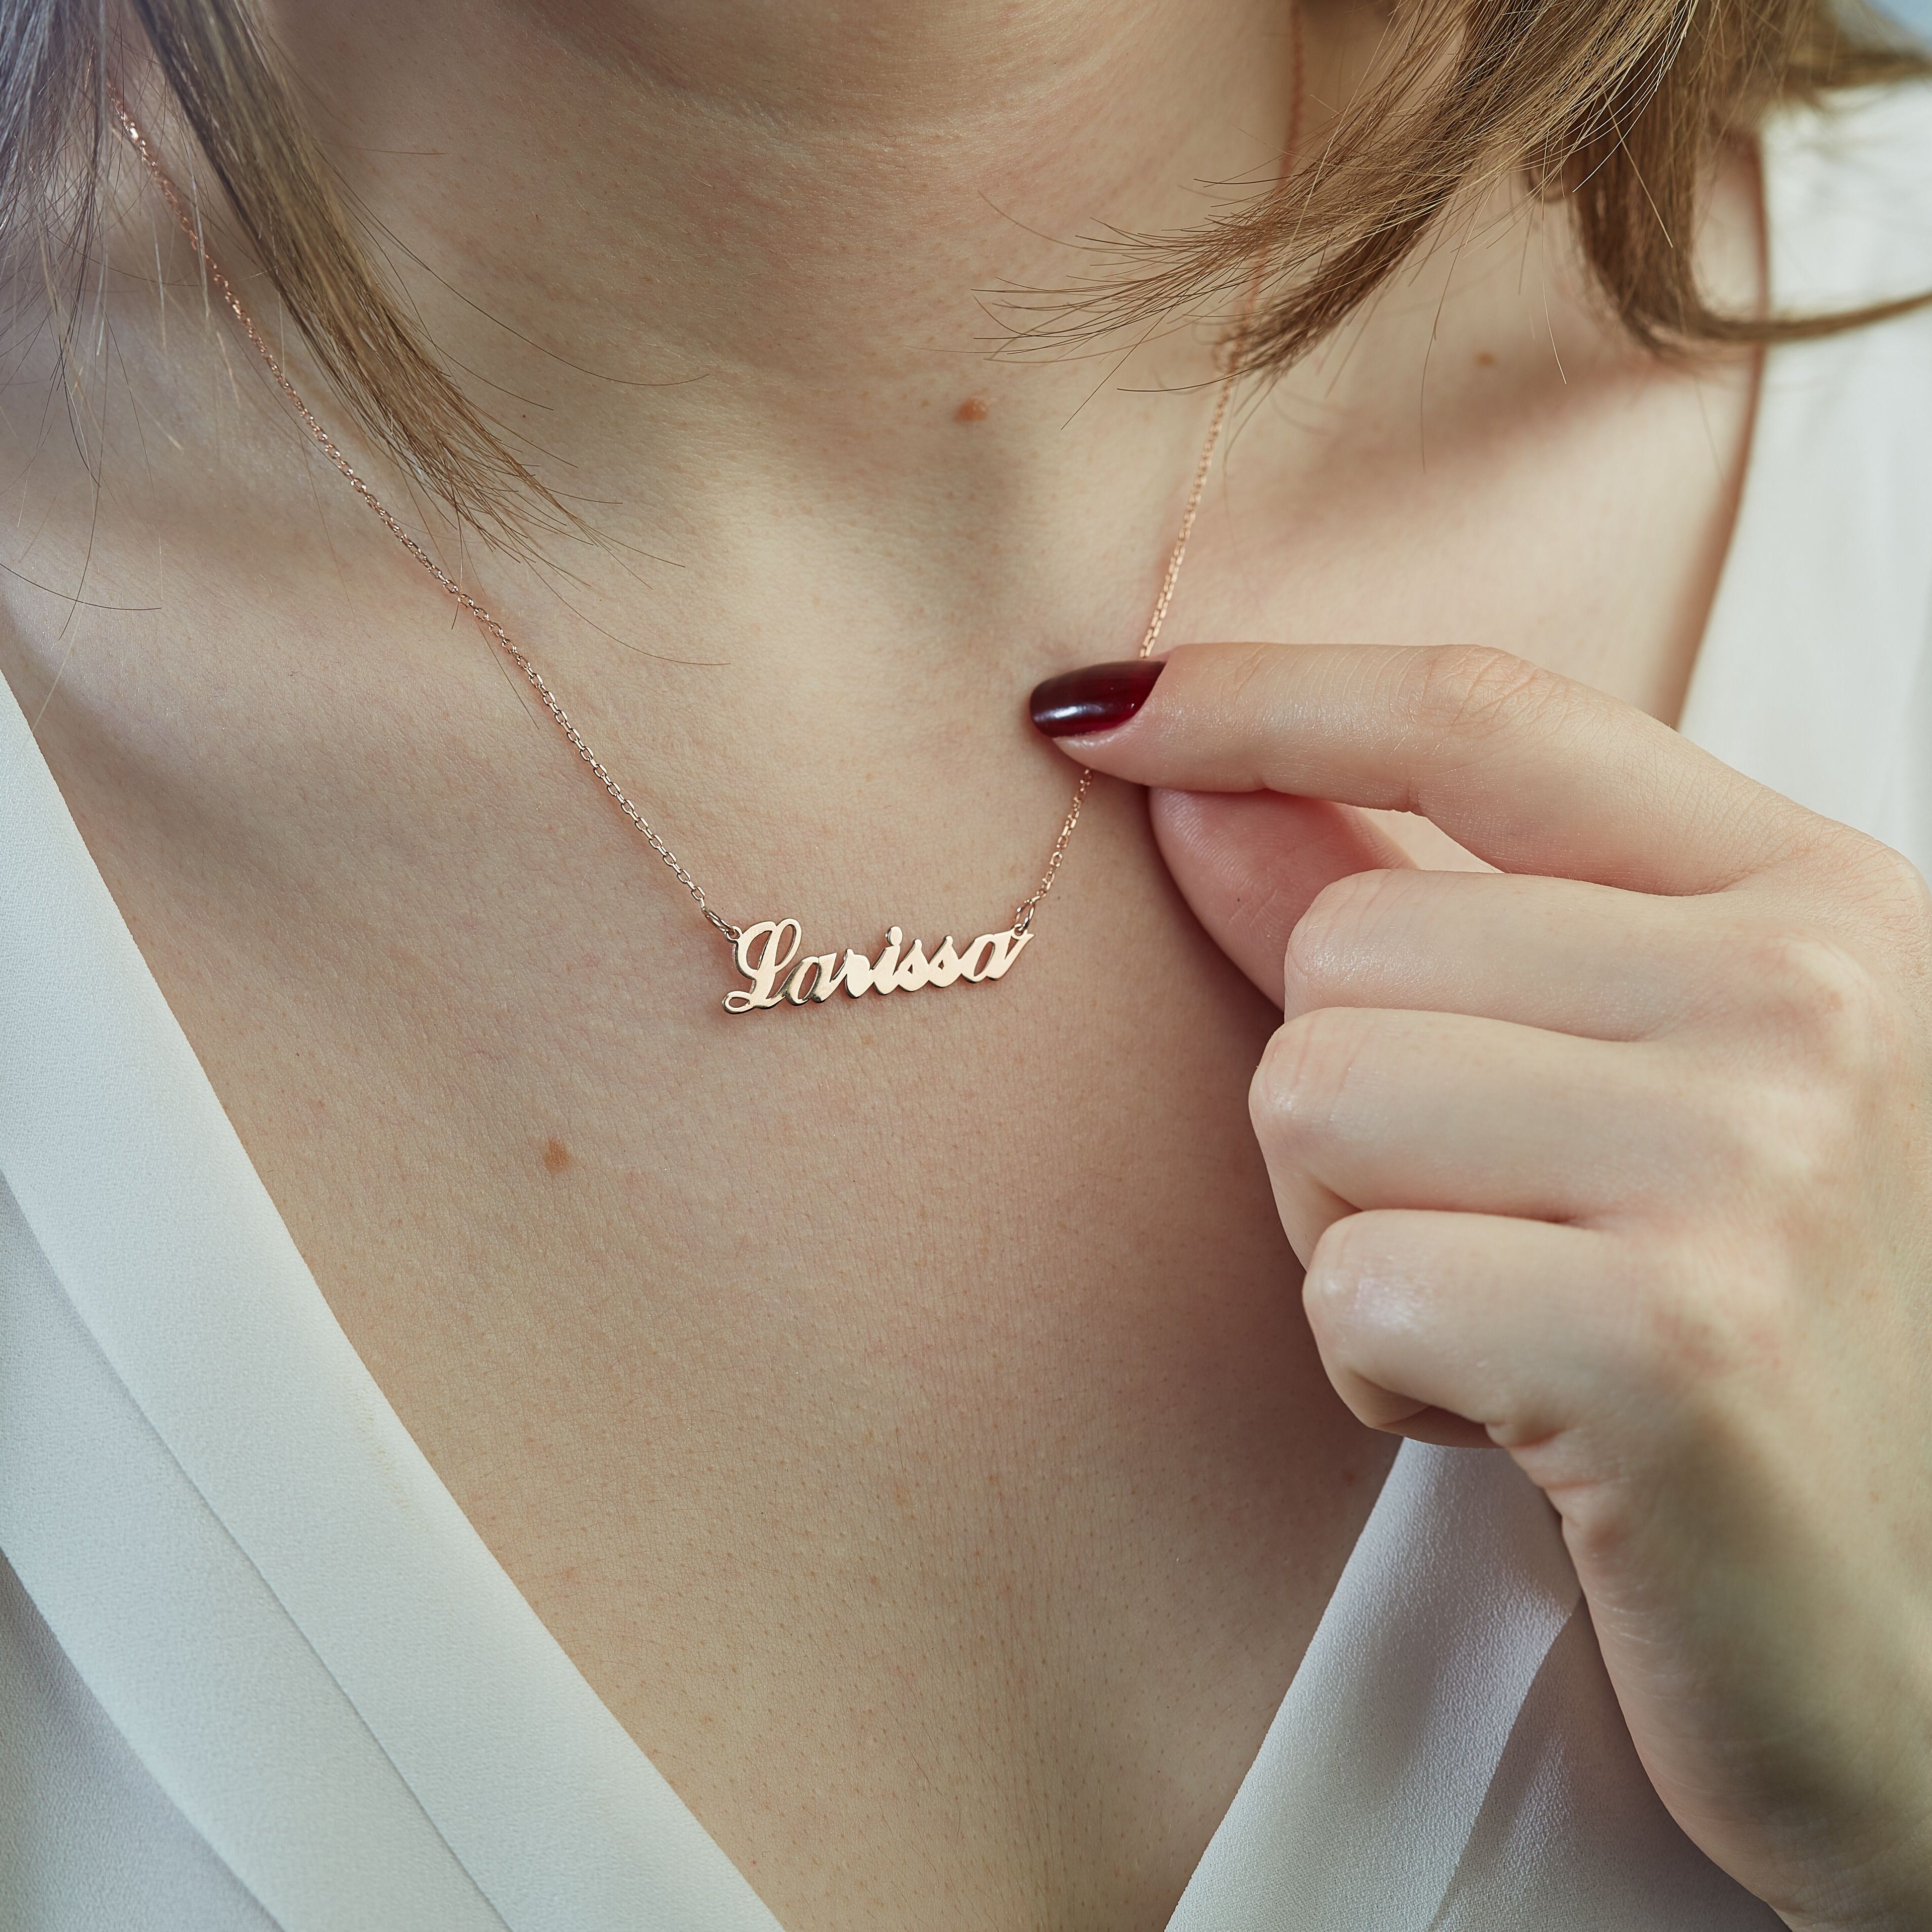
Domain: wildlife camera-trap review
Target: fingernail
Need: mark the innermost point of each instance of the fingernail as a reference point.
(1095, 698)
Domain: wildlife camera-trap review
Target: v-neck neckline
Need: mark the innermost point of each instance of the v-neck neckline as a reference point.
(187, 1284)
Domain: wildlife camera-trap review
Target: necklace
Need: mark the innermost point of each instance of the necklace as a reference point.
(766, 952)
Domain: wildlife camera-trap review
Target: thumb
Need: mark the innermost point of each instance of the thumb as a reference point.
(1250, 864)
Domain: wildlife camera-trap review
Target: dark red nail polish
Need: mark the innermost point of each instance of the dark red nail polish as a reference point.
(1095, 698)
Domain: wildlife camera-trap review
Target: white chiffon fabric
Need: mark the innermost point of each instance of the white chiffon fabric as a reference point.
(258, 1671)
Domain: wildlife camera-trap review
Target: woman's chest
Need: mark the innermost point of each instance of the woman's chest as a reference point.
(854, 1390)
(899, 1407)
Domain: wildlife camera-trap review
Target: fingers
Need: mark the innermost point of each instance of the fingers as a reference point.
(1558, 954)
(1250, 864)
(1529, 771)
(1438, 1111)
(1517, 1326)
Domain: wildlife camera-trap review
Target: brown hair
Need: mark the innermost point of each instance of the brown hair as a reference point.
(58, 128)
(1617, 106)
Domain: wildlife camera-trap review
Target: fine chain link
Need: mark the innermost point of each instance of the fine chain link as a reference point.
(326, 444)
(1023, 913)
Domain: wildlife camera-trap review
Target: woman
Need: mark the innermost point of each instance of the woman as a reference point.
(597, 1459)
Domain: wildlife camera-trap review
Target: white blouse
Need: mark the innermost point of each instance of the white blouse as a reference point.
(257, 1670)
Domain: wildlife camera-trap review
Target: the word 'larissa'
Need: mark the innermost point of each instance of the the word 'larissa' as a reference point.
(768, 955)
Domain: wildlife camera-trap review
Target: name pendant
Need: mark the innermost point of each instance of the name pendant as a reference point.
(767, 954)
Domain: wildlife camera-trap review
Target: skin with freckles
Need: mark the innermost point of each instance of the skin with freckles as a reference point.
(902, 1410)
(1615, 1157)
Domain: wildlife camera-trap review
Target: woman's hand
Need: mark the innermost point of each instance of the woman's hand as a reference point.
(1618, 1158)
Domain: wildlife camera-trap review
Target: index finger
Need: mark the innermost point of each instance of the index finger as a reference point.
(1532, 772)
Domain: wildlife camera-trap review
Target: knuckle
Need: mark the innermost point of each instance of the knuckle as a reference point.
(1819, 998)
(1330, 1286)
(1350, 1248)
(1788, 1149)
(1300, 1078)
(1698, 1325)
(1326, 936)
(1327, 1283)
(1467, 691)
(1880, 888)
(1776, 1156)
(1892, 890)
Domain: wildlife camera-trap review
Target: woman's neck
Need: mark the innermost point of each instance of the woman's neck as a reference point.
(720, 265)
(770, 229)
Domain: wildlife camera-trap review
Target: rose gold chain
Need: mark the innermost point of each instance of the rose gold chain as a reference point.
(218, 279)
(1023, 913)
(324, 441)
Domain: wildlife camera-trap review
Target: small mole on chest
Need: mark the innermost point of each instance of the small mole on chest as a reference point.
(973, 409)
(556, 1157)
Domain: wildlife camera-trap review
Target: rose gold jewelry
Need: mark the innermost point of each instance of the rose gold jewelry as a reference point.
(766, 952)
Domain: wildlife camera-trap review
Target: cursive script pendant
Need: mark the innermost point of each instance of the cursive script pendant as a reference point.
(767, 955)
